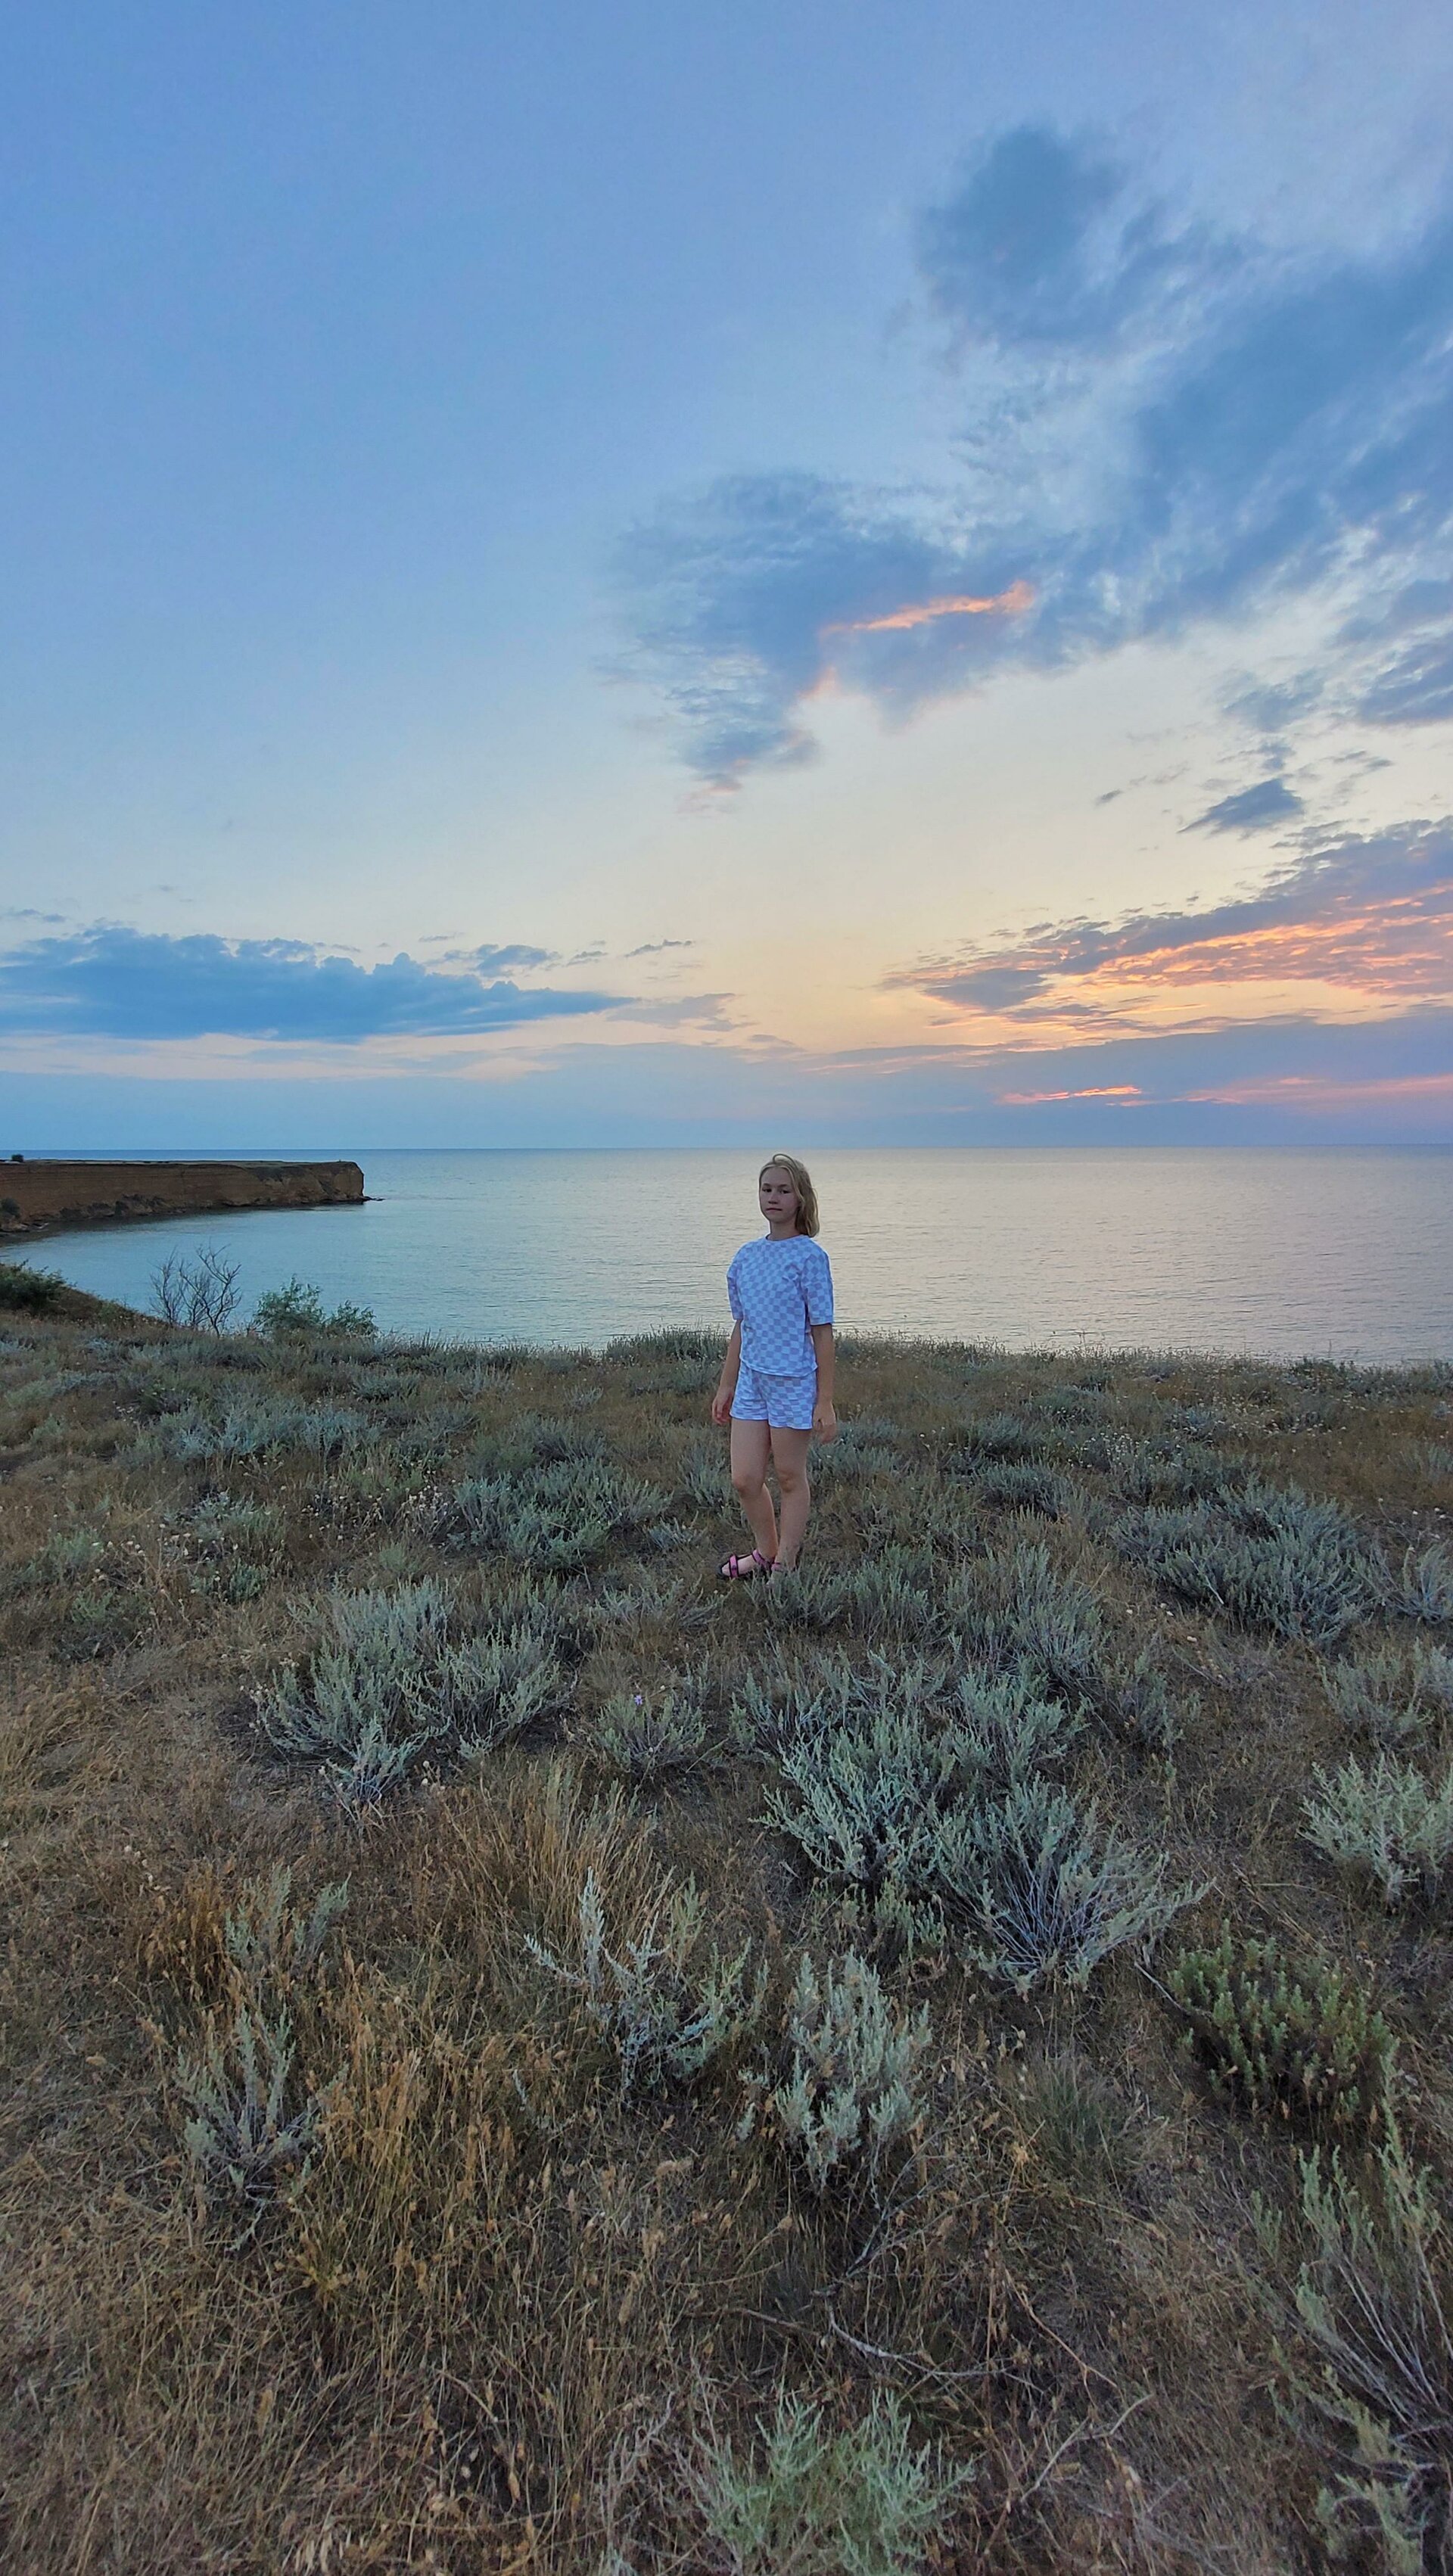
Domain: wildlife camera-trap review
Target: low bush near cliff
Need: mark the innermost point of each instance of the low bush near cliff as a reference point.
(29, 1292)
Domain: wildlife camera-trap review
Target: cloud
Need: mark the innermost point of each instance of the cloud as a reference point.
(1088, 1091)
(1252, 809)
(658, 947)
(1408, 678)
(116, 982)
(1039, 248)
(1163, 427)
(1372, 916)
(702, 1010)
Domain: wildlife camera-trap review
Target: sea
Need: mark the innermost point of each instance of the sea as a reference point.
(1342, 1254)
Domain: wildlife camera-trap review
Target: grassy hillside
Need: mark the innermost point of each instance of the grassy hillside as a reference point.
(520, 2058)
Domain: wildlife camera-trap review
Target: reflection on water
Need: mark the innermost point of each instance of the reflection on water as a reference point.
(1342, 1253)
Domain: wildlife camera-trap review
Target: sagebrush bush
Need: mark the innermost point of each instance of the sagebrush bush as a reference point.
(998, 1437)
(705, 1479)
(1023, 1485)
(265, 1424)
(1036, 1891)
(666, 2006)
(559, 1517)
(393, 1680)
(1263, 1557)
(250, 2128)
(814, 2502)
(1390, 1697)
(266, 1937)
(893, 1594)
(1291, 2039)
(1382, 1821)
(1139, 1705)
(1422, 1588)
(779, 1704)
(850, 2096)
(885, 1797)
(648, 1734)
(1020, 1610)
(1371, 2298)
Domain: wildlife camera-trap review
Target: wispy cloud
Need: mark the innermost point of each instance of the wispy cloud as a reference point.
(1251, 809)
(1163, 426)
(1372, 917)
(111, 981)
(1086, 1091)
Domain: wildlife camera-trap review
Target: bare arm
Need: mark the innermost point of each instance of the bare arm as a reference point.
(721, 1402)
(824, 1418)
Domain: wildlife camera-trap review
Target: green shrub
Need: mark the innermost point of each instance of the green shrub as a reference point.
(1385, 1823)
(850, 2096)
(1292, 2041)
(819, 2503)
(296, 1312)
(29, 1292)
(665, 2007)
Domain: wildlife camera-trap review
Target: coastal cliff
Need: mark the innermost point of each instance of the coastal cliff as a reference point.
(36, 1197)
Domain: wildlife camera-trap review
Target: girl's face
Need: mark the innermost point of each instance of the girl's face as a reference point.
(777, 1196)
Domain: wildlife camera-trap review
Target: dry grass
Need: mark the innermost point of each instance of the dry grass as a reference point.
(498, 2311)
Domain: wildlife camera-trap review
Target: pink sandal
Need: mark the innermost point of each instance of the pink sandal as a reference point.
(738, 1569)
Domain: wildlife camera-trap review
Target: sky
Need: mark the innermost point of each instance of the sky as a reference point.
(785, 574)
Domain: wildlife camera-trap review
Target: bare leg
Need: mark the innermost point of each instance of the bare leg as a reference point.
(789, 1457)
(751, 1442)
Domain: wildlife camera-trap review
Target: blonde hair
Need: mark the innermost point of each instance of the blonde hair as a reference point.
(801, 1179)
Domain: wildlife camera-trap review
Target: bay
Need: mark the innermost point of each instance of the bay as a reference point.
(1345, 1254)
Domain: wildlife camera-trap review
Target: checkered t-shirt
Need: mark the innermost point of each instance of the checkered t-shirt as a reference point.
(777, 1290)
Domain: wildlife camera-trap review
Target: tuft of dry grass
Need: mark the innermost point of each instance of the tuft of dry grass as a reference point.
(477, 2303)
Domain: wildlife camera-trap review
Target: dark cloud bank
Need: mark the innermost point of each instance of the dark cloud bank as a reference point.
(110, 981)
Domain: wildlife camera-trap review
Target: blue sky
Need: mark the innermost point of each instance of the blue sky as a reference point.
(599, 576)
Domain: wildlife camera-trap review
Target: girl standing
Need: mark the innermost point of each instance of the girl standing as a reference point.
(776, 1379)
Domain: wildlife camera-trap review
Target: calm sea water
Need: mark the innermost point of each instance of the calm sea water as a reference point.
(1348, 1254)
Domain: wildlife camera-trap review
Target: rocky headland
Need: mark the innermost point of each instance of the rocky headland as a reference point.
(38, 1196)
